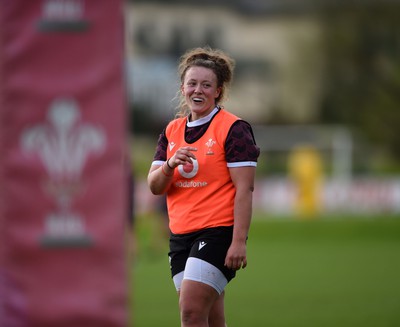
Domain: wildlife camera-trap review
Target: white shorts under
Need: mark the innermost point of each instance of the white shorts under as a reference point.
(201, 271)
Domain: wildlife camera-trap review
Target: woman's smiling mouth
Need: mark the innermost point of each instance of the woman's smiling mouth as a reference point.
(197, 100)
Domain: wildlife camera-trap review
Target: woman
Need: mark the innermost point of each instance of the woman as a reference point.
(205, 162)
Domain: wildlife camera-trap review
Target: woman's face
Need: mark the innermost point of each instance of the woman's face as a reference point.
(200, 90)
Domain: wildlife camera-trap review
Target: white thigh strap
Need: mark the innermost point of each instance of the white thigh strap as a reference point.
(204, 272)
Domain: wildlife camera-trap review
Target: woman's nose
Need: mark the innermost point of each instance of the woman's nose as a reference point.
(197, 89)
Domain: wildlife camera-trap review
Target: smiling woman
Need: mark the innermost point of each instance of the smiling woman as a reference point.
(220, 71)
(209, 195)
(200, 91)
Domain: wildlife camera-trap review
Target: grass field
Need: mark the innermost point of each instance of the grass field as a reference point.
(339, 272)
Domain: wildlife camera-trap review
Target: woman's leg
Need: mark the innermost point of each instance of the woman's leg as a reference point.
(196, 302)
(216, 317)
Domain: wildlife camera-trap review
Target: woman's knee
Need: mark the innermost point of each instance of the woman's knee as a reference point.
(192, 312)
(195, 301)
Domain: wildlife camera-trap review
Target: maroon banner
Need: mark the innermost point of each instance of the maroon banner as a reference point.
(63, 195)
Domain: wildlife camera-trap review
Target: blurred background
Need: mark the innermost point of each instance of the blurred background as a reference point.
(319, 82)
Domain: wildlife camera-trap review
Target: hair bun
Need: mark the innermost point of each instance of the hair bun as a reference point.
(198, 56)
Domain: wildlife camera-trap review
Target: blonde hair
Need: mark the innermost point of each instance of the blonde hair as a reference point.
(218, 61)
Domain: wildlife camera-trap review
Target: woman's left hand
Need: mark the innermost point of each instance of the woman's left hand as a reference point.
(236, 256)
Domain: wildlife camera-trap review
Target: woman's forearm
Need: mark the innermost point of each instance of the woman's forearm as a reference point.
(159, 179)
(242, 215)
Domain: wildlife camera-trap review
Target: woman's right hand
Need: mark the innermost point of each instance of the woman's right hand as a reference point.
(182, 156)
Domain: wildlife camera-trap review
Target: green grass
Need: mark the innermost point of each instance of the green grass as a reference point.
(327, 272)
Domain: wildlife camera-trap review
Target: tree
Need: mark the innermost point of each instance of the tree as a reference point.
(363, 73)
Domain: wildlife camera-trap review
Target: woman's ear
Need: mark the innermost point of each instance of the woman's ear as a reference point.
(218, 92)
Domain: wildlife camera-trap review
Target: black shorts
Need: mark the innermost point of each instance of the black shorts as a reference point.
(210, 245)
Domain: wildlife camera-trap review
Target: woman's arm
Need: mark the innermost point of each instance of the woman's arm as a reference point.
(160, 177)
(243, 179)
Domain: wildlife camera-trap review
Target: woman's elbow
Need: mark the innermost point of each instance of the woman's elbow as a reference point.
(154, 188)
(155, 191)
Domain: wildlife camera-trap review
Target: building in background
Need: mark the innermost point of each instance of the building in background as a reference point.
(273, 56)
